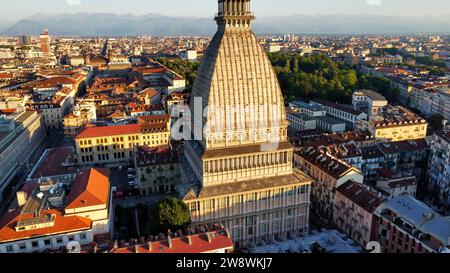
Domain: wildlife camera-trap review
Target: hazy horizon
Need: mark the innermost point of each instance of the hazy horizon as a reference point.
(22, 9)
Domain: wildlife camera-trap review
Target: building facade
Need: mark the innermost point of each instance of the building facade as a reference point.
(19, 139)
(157, 169)
(48, 215)
(116, 144)
(328, 173)
(354, 209)
(439, 168)
(406, 225)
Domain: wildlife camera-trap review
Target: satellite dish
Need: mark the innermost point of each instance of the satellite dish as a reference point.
(73, 247)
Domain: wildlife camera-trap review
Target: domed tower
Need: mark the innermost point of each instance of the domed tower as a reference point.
(241, 102)
(240, 153)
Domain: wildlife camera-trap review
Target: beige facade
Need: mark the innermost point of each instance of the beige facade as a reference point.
(157, 169)
(396, 123)
(400, 132)
(255, 210)
(116, 144)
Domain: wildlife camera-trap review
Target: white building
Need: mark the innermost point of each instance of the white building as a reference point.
(188, 54)
(368, 101)
(342, 112)
(45, 217)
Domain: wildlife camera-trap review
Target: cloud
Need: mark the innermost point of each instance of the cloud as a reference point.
(373, 2)
(73, 2)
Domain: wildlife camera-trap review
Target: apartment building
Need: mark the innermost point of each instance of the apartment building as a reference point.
(48, 215)
(396, 123)
(439, 168)
(53, 110)
(354, 209)
(157, 169)
(369, 102)
(116, 144)
(342, 112)
(406, 225)
(328, 173)
(20, 137)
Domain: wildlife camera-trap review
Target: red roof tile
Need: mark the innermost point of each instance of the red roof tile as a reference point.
(199, 244)
(110, 131)
(90, 188)
(62, 224)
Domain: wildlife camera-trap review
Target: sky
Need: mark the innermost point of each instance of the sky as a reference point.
(14, 10)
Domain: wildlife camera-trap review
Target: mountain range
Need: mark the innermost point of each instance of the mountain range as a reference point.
(103, 24)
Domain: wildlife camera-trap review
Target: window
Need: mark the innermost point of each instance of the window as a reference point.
(47, 242)
(9, 249)
(34, 244)
(59, 240)
(83, 236)
(250, 231)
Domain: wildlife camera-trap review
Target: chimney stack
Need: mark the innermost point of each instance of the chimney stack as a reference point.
(21, 198)
(169, 240)
(208, 235)
(189, 240)
(227, 233)
(149, 246)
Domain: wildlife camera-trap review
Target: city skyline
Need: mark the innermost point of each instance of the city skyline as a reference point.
(23, 9)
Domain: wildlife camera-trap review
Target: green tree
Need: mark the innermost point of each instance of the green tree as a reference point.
(172, 214)
(436, 121)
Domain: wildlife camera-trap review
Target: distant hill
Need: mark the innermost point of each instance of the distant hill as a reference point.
(102, 24)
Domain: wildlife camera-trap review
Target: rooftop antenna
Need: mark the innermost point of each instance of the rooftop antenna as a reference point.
(444, 124)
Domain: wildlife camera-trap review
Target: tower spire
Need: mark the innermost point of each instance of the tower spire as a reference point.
(235, 13)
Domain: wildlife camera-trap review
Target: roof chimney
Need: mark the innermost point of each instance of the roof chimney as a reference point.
(21, 198)
(136, 250)
(208, 235)
(149, 245)
(169, 240)
(189, 240)
(227, 233)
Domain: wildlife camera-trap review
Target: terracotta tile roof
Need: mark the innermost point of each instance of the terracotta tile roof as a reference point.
(106, 131)
(62, 224)
(90, 188)
(403, 146)
(153, 119)
(150, 92)
(53, 163)
(6, 75)
(198, 244)
(360, 195)
(146, 156)
(332, 166)
(403, 183)
(53, 81)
